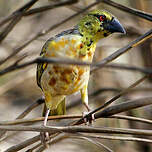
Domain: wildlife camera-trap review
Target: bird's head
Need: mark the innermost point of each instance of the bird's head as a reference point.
(99, 24)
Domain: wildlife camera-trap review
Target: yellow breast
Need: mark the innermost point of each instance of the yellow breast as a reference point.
(66, 79)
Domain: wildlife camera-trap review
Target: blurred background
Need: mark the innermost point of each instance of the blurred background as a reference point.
(19, 89)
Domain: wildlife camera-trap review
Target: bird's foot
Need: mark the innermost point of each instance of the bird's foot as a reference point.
(44, 137)
(88, 119)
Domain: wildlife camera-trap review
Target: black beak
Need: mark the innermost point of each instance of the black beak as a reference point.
(114, 26)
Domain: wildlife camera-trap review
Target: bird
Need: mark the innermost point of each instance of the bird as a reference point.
(57, 81)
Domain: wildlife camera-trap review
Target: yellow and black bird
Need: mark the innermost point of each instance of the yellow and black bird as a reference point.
(79, 43)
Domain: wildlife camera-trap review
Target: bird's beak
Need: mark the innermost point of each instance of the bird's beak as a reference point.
(114, 26)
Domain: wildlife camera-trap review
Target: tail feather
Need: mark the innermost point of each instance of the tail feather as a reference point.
(60, 110)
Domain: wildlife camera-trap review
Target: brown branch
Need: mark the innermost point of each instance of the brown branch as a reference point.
(133, 11)
(123, 92)
(114, 138)
(35, 10)
(33, 140)
(48, 7)
(23, 144)
(75, 129)
(123, 117)
(25, 121)
(113, 109)
(93, 141)
(129, 68)
(53, 140)
(129, 105)
(42, 60)
(18, 15)
(24, 113)
(9, 28)
(30, 108)
(15, 66)
(123, 50)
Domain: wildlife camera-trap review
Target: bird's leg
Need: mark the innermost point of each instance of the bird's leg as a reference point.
(84, 98)
(45, 135)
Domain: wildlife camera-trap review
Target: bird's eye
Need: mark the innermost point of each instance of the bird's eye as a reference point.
(102, 18)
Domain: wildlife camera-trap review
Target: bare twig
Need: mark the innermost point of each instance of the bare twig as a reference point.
(15, 66)
(23, 121)
(35, 10)
(30, 108)
(133, 11)
(24, 113)
(114, 110)
(73, 129)
(53, 140)
(114, 138)
(125, 91)
(23, 144)
(17, 18)
(132, 104)
(9, 27)
(48, 7)
(142, 120)
(123, 50)
(129, 67)
(99, 144)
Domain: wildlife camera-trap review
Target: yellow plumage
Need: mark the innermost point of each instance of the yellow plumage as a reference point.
(58, 81)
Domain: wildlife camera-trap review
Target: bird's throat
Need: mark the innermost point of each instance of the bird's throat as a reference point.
(86, 53)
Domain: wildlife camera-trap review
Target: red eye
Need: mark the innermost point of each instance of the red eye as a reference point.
(102, 18)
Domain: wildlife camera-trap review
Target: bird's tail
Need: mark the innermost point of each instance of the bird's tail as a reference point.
(60, 110)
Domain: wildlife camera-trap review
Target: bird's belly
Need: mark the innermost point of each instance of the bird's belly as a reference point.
(64, 80)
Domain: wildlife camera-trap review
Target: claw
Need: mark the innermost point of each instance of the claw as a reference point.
(44, 137)
(87, 119)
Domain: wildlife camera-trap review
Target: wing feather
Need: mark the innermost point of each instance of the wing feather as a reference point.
(41, 66)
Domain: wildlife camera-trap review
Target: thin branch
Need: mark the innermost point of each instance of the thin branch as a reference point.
(43, 60)
(137, 119)
(23, 144)
(133, 11)
(129, 68)
(73, 129)
(99, 144)
(54, 139)
(25, 121)
(49, 7)
(17, 18)
(123, 50)
(24, 113)
(9, 28)
(35, 10)
(113, 109)
(129, 105)
(30, 108)
(114, 138)
(15, 66)
(123, 92)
